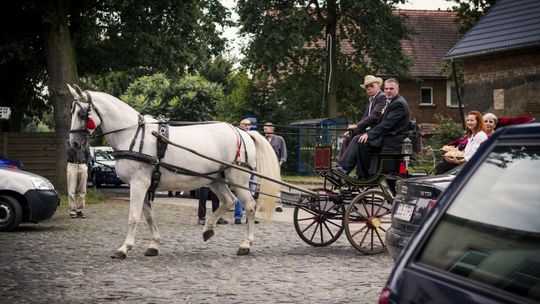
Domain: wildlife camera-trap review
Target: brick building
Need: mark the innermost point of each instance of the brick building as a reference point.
(431, 91)
(501, 60)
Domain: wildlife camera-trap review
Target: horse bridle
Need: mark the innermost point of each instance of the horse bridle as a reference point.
(84, 114)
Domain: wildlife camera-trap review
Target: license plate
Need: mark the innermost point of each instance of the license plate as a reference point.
(404, 212)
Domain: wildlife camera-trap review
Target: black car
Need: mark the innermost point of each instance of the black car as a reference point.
(414, 198)
(481, 242)
(102, 167)
(25, 197)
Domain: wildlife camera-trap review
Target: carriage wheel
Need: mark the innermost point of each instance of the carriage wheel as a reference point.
(319, 223)
(366, 221)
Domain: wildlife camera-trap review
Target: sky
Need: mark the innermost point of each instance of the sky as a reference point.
(237, 42)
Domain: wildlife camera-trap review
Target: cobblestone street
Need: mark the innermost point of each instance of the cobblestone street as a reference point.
(64, 260)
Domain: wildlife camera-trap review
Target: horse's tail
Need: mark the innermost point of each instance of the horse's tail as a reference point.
(267, 165)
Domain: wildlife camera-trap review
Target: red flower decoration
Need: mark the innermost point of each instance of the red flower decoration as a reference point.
(90, 124)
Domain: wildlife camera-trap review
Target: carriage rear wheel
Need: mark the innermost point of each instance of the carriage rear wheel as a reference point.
(366, 221)
(319, 222)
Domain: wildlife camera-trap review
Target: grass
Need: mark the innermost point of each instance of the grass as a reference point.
(93, 196)
(301, 180)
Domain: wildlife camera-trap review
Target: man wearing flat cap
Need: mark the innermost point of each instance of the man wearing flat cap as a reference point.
(375, 105)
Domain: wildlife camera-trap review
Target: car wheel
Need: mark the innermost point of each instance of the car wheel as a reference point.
(10, 213)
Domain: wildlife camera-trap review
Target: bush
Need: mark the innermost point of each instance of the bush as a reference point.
(446, 131)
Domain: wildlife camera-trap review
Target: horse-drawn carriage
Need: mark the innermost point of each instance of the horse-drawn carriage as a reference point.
(149, 157)
(361, 208)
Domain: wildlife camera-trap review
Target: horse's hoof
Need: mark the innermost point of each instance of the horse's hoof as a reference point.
(242, 251)
(151, 252)
(118, 255)
(207, 234)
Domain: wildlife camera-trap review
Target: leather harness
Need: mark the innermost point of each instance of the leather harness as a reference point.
(161, 148)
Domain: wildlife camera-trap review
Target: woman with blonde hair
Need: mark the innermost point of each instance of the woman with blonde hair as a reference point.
(490, 120)
(476, 135)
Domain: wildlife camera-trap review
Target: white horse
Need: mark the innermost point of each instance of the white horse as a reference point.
(122, 125)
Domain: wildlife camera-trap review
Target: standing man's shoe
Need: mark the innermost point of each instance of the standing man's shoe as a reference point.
(201, 221)
(238, 221)
(73, 214)
(80, 214)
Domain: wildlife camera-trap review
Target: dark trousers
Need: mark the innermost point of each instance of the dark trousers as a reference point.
(359, 155)
(204, 192)
(443, 167)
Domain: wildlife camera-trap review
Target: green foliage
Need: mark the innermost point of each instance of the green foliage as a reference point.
(470, 11)
(191, 98)
(446, 131)
(113, 82)
(236, 103)
(286, 45)
(152, 36)
(116, 41)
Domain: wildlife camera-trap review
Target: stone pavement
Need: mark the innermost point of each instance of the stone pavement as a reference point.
(64, 260)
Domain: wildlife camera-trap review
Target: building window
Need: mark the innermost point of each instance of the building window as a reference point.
(427, 96)
(451, 96)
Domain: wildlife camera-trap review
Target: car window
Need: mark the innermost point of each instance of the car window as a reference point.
(491, 231)
(103, 155)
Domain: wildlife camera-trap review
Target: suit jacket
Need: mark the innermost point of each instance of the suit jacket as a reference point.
(371, 118)
(393, 128)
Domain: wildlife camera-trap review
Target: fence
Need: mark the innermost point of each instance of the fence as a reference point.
(37, 151)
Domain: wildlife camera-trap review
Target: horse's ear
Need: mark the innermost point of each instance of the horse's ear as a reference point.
(76, 92)
(80, 93)
(72, 90)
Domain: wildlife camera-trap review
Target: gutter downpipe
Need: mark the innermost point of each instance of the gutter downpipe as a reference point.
(458, 95)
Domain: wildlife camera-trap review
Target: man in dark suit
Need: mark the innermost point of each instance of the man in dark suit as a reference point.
(387, 136)
(372, 114)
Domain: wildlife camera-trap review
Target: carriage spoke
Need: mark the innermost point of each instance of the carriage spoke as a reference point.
(319, 223)
(369, 238)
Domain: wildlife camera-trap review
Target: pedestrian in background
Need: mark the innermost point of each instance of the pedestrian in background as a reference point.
(77, 175)
(279, 146)
(204, 194)
(245, 125)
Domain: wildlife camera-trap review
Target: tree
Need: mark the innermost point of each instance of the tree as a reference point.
(286, 44)
(100, 37)
(470, 11)
(191, 98)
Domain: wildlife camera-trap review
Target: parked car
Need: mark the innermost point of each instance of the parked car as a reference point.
(25, 197)
(481, 242)
(101, 170)
(414, 198)
(10, 163)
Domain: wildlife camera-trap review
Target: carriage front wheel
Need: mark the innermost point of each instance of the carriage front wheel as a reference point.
(319, 222)
(366, 220)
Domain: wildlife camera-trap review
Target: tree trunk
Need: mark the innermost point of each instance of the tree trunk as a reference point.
(330, 91)
(62, 69)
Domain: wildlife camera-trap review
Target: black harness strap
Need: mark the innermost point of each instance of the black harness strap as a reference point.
(161, 147)
(139, 127)
(145, 158)
(245, 149)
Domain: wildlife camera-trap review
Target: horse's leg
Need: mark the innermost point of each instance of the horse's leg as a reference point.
(226, 200)
(249, 205)
(152, 249)
(137, 191)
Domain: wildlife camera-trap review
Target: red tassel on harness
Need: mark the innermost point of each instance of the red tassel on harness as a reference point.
(90, 124)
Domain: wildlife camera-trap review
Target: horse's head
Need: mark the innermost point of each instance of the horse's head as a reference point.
(84, 117)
